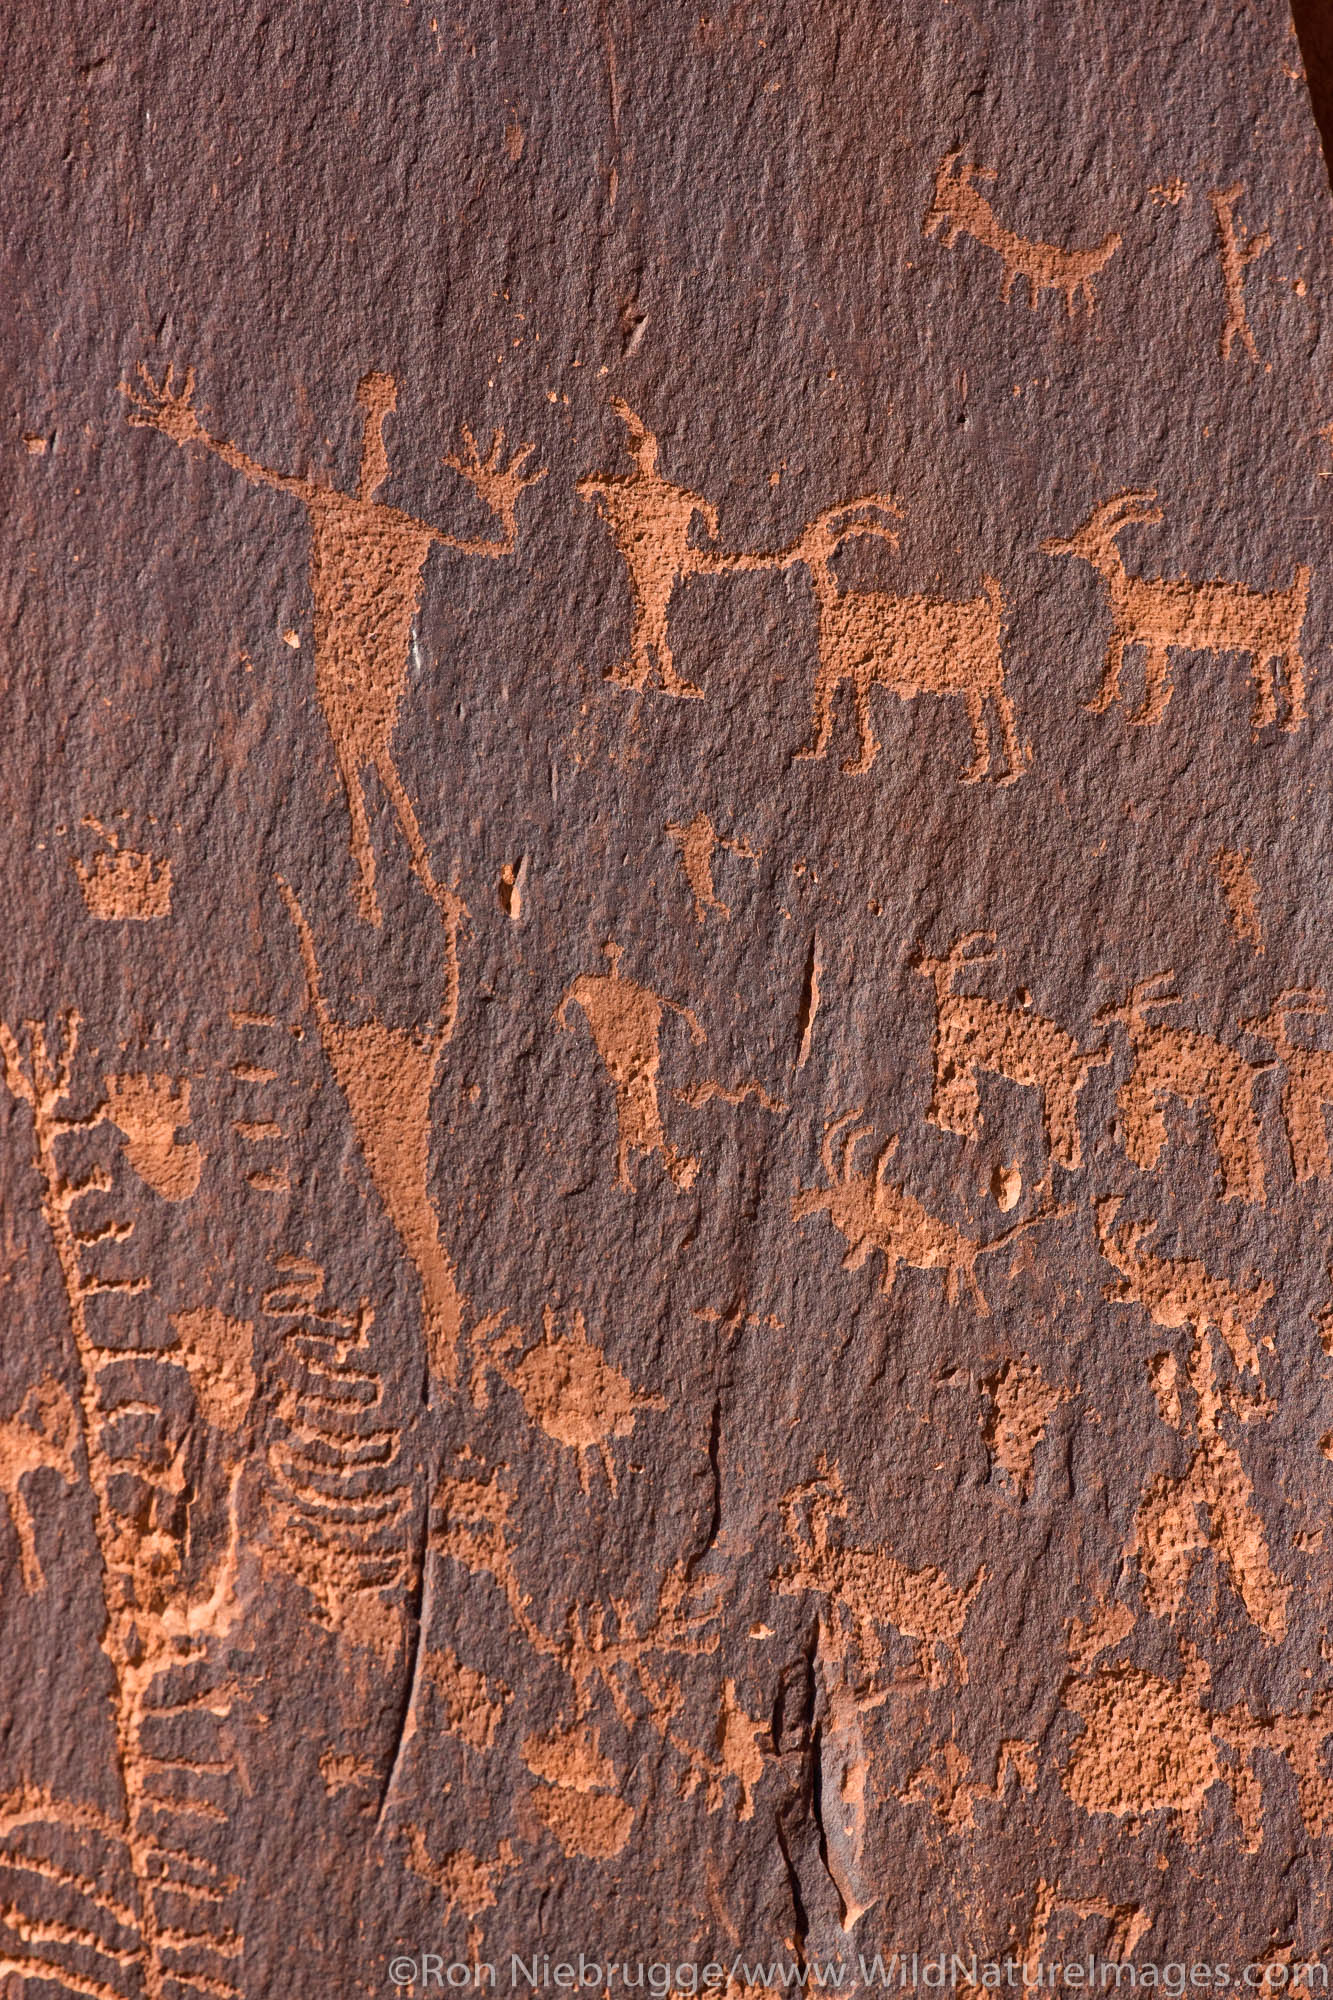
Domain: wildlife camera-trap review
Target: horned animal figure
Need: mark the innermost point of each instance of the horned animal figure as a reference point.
(870, 1588)
(909, 645)
(1181, 1062)
(1178, 1292)
(1161, 613)
(874, 1213)
(975, 1033)
(961, 209)
(1308, 1090)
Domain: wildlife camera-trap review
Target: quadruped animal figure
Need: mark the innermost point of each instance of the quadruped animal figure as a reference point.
(960, 209)
(1184, 1063)
(975, 1033)
(876, 1214)
(909, 645)
(1165, 613)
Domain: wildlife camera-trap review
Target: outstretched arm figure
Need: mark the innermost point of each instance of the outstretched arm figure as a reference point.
(163, 407)
(498, 485)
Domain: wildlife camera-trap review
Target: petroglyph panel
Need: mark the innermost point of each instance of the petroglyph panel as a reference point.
(665, 1082)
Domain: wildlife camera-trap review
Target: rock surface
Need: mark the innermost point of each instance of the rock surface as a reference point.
(666, 1184)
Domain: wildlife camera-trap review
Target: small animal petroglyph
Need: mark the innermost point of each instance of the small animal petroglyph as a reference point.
(869, 1588)
(367, 566)
(148, 1111)
(568, 1388)
(1307, 1093)
(737, 1754)
(387, 1076)
(907, 645)
(578, 1800)
(1162, 614)
(650, 522)
(945, 1782)
(1238, 250)
(471, 1706)
(626, 1023)
(975, 1033)
(340, 1509)
(1235, 871)
(1178, 1292)
(1022, 1403)
(960, 209)
(121, 886)
(41, 1437)
(698, 842)
(876, 1214)
(466, 1881)
(1183, 1063)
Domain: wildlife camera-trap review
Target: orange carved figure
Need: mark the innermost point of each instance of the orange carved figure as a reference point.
(367, 566)
(1166, 613)
(650, 521)
(626, 1023)
(960, 208)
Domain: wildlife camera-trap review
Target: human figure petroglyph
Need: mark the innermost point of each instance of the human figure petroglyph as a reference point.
(1307, 1093)
(869, 1588)
(875, 1214)
(975, 1033)
(1184, 1063)
(1238, 250)
(567, 1386)
(1162, 614)
(626, 1023)
(698, 842)
(387, 1076)
(907, 645)
(960, 209)
(367, 569)
(651, 521)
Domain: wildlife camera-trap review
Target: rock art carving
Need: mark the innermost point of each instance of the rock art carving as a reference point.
(626, 1023)
(1307, 1092)
(338, 1502)
(1022, 1403)
(120, 886)
(650, 522)
(974, 1033)
(1150, 1746)
(578, 1800)
(875, 1214)
(387, 1076)
(568, 1388)
(1178, 1292)
(1238, 250)
(158, 1633)
(960, 209)
(149, 1111)
(40, 1438)
(465, 1880)
(867, 1589)
(1194, 1067)
(1235, 871)
(367, 569)
(1127, 1924)
(1209, 1509)
(1166, 614)
(698, 842)
(906, 645)
(470, 1706)
(945, 1782)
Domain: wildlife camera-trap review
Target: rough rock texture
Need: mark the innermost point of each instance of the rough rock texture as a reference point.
(666, 1220)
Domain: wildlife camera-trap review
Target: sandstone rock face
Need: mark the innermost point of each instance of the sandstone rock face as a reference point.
(667, 1048)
